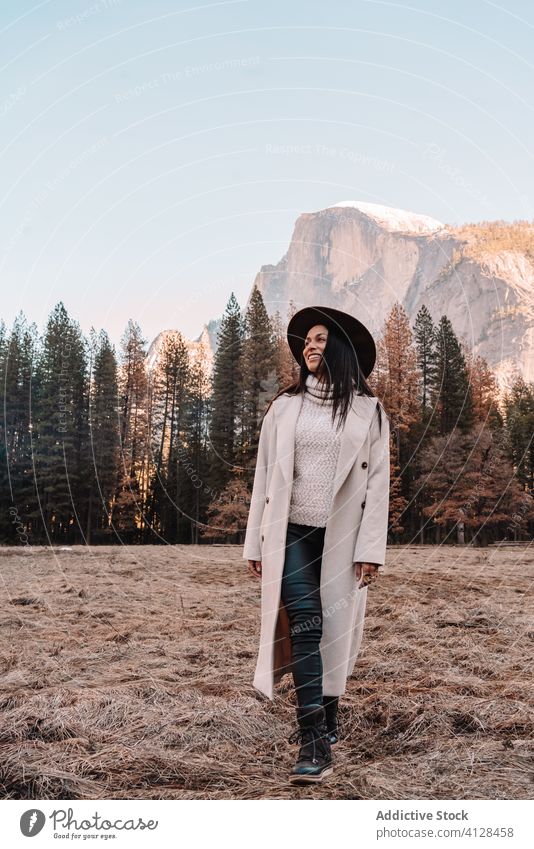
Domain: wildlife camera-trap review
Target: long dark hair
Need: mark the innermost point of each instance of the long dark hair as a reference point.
(342, 375)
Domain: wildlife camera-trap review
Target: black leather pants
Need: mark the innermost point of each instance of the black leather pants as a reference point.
(301, 597)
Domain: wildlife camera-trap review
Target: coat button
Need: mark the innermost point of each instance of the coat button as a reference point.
(363, 504)
(262, 537)
(267, 500)
(364, 465)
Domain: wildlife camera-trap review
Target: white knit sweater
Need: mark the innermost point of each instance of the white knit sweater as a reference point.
(316, 453)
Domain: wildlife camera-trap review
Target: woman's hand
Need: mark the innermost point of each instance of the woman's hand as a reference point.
(254, 566)
(367, 573)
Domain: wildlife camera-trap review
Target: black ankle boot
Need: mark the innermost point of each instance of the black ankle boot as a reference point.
(314, 761)
(330, 704)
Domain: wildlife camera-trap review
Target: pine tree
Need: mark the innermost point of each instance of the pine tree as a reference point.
(7, 531)
(133, 477)
(287, 370)
(259, 374)
(60, 430)
(395, 380)
(227, 514)
(469, 483)
(519, 417)
(425, 334)
(484, 391)
(170, 397)
(104, 435)
(450, 391)
(17, 355)
(425, 342)
(227, 398)
(194, 455)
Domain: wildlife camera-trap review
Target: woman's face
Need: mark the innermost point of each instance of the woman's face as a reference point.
(314, 346)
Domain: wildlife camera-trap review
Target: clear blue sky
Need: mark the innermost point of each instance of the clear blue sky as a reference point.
(155, 154)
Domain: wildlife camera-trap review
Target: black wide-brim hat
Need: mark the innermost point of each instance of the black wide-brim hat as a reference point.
(349, 328)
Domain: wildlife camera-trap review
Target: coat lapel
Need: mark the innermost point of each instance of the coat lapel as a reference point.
(287, 409)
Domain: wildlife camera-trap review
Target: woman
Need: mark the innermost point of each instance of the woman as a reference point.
(317, 525)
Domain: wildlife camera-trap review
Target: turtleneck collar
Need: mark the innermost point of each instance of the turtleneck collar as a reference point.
(317, 390)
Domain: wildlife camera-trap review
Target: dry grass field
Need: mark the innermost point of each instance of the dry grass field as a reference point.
(126, 673)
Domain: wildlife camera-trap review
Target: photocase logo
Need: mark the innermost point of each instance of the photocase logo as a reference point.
(31, 822)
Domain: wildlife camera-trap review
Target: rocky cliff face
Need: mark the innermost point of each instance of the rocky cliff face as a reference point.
(203, 346)
(362, 257)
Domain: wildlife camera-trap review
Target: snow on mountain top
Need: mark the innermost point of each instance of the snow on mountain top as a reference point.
(395, 219)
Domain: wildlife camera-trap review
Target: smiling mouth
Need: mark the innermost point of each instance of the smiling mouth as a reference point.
(314, 356)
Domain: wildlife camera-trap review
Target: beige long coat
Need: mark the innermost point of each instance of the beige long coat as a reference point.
(356, 530)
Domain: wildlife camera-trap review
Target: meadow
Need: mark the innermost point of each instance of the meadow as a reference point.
(126, 673)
